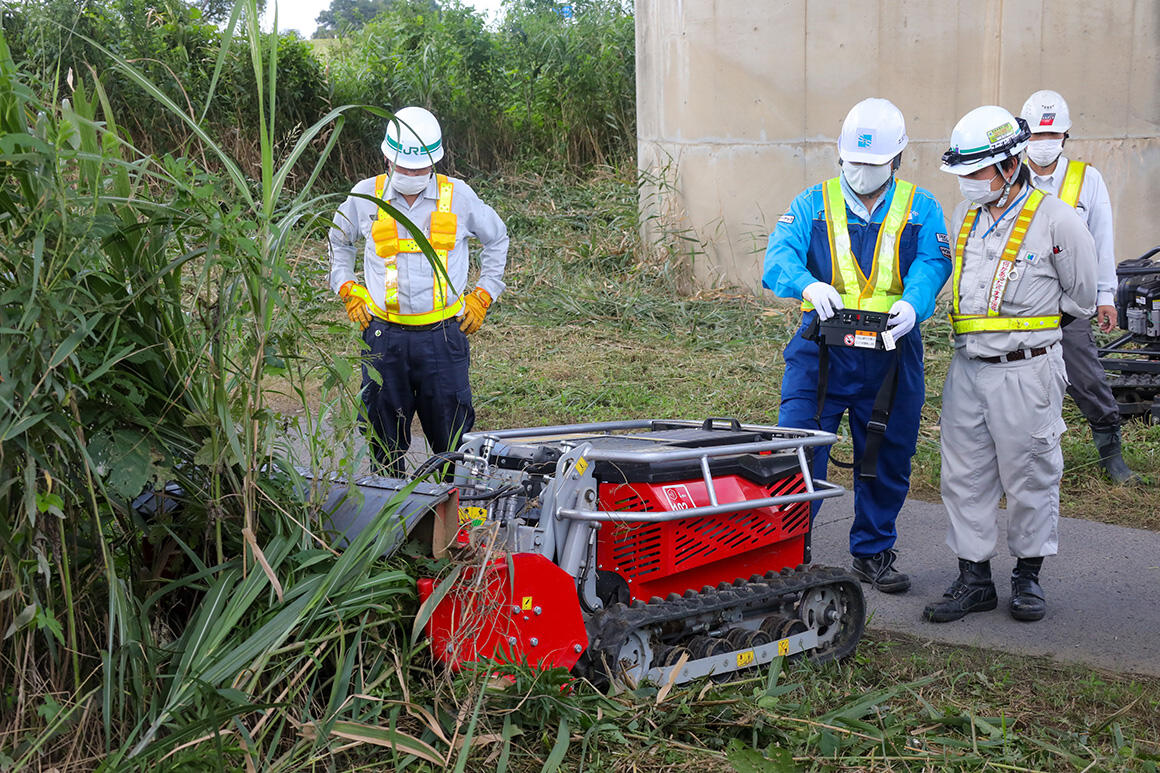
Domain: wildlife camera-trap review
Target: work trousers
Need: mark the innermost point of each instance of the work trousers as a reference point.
(422, 370)
(1000, 429)
(855, 376)
(1088, 386)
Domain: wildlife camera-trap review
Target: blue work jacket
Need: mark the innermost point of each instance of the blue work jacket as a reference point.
(799, 249)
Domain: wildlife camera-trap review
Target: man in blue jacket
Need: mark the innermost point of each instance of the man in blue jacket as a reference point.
(863, 240)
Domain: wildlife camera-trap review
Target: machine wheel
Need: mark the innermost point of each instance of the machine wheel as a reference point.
(635, 659)
(743, 638)
(705, 646)
(837, 612)
(779, 627)
(671, 655)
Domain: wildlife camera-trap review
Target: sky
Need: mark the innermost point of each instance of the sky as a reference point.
(300, 14)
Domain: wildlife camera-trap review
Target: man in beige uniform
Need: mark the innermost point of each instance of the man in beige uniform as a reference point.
(1022, 258)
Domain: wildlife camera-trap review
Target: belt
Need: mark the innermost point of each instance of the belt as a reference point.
(429, 326)
(1018, 354)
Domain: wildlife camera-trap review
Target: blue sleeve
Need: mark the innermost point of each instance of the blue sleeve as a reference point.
(932, 265)
(785, 271)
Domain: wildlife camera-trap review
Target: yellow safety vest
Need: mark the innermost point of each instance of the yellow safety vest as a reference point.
(385, 234)
(993, 321)
(1072, 183)
(884, 287)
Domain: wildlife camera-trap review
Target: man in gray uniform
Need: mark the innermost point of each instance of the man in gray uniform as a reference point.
(1021, 258)
(1081, 186)
(415, 314)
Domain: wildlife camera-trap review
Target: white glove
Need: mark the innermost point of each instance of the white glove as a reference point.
(825, 299)
(902, 319)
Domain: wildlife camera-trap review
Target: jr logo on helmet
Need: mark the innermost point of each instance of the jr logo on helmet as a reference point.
(865, 139)
(1047, 120)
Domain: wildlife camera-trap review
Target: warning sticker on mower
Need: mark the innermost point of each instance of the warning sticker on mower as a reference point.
(745, 658)
(581, 465)
(472, 515)
(526, 603)
(865, 339)
(783, 647)
(678, 497)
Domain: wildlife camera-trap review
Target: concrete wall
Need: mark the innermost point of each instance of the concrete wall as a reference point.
(739, 102)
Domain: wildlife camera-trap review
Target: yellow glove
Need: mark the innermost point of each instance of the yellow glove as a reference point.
(475, 306)
(356, 308)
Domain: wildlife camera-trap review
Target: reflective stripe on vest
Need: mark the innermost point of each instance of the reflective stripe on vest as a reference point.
(993, 321)
(426, 318)
(443, 229)
(884, 287)
(1072, 183)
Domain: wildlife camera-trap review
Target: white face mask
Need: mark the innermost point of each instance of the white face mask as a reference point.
(1044, 152)
(866, 178)
(409, 185)
(978, 191)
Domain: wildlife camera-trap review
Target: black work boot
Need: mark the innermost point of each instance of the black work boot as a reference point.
(1107, 440)
(972, 591)
(1027, 599)
(879, 571)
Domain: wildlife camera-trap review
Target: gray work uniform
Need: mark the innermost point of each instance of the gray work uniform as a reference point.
(1088, 385)
(1001, 419)
(355, 217)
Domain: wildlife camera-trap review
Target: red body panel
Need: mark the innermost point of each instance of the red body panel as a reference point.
(535, 604)
(657, 559)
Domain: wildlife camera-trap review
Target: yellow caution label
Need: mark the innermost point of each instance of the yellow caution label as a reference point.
(581, 465)
(469, 514)
(745, 658)
(526, 604)
(783, 647)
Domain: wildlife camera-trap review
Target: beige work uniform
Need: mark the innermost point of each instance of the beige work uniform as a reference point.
(1001, 420)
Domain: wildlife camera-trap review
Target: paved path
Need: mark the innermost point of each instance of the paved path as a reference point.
(1103, 590)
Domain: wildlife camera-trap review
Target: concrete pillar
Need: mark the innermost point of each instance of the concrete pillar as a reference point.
(739, 104)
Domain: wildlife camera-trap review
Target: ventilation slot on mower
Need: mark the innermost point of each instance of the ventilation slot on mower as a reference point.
(638, 548)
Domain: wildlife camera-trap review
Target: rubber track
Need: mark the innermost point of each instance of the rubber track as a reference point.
(1130, 380)
(608, 629)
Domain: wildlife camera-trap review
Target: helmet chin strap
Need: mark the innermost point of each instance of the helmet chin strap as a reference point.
(1007, 183)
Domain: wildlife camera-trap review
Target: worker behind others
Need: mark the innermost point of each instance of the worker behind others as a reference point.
(863, 240)
(1081, 186)
(415, 319)
(1023, 258)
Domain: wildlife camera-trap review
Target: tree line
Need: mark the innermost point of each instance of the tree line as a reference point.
(538, 86)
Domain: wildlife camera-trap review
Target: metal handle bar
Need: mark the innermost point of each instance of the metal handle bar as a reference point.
(823, 490)
(816, 438)
(607, 427)
(558, 429)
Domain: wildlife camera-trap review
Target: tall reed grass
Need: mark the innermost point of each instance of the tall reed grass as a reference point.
(145, 301)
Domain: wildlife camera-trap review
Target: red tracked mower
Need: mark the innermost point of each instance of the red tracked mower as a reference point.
(640, 550)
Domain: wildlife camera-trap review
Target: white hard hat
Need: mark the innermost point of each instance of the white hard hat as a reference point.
(873, 133)
(983, 137)
(1046, 111)
(414, 139)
